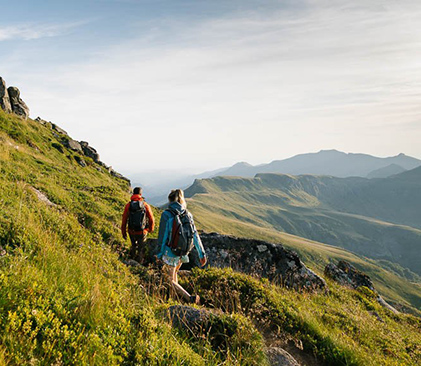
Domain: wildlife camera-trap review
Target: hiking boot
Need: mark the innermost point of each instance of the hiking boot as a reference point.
(195, 299)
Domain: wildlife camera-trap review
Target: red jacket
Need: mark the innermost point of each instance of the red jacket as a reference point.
(149, 214)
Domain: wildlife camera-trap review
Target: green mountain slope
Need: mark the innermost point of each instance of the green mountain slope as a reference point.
(67, 299)
(256, 208)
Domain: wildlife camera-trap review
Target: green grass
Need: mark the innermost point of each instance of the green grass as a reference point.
(338, 328)
(65, 297)
(226, 215)
(330, 210)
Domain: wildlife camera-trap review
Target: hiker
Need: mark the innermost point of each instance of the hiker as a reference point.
(139, 217)
(177, 237)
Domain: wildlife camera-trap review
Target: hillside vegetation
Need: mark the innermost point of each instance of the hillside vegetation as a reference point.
(66, 297)
(269, 205)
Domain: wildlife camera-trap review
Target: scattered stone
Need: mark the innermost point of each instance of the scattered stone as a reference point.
(279, 357)
(58, 129)
(80, 161)
(42, 197)
(41, 121)
(262, 248)
(89, 151)
(347, 275)
(118, 175)
(131, 263)
(72, 145)
(189, 318)
(2, 251)
(4, 97)
(18, 105)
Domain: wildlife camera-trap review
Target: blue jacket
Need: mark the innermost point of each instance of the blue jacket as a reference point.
(165, 229)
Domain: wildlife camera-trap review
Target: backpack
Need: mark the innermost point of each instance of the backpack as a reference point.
(137, 216)
(182, 234)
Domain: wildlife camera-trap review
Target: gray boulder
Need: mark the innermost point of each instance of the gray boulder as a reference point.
(80, 161)
(4, 97)
(18, 105)
(347, 275)
(58, 129)
(189, 318)
(118, 175)
(72, 145)
(261, 259)
(279, 357)
(89, 151)
(41, 121)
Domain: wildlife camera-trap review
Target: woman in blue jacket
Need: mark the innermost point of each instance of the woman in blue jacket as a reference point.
(173, 262)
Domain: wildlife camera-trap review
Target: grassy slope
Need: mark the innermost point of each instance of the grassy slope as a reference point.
(219, 213)
(65, 298)
(64, 295)
(321, 209)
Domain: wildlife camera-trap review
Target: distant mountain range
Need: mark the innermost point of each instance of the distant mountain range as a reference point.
(329, 162)
(326, 162)
(379, 218)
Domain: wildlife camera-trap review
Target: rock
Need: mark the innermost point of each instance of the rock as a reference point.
(58, 129)
(118, 175)
(80, 161)
(347, 275)
(262, 248)
(276, 263)
(89, 151)
(279, 357)
(41, 121)
(4, 97)
(18, 105)
(131, 263)
(72, 145)
(42, 197)
(189, 318)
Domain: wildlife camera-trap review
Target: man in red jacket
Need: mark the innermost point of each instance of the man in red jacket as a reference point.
(139, 218)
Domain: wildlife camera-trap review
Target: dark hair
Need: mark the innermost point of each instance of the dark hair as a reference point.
(137, 190)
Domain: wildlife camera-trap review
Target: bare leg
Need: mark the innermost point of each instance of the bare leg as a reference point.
(172, 274)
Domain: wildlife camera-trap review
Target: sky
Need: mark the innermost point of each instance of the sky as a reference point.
(189, 86)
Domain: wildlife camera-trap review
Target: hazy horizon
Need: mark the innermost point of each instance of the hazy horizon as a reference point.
(192, 86)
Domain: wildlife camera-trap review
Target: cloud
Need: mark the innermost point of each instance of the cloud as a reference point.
(33, 31)
(252, 86)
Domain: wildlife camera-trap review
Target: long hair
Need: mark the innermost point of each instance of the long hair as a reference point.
(177, 195)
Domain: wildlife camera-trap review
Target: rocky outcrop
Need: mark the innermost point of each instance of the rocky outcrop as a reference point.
(279, 357)
(261, 259)
(347, 275)
(189, 318)
(19, 107)
(4, 97)
(10, 100)
(89, 151)
(72, 145)
(58, 129)
(257, 258)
